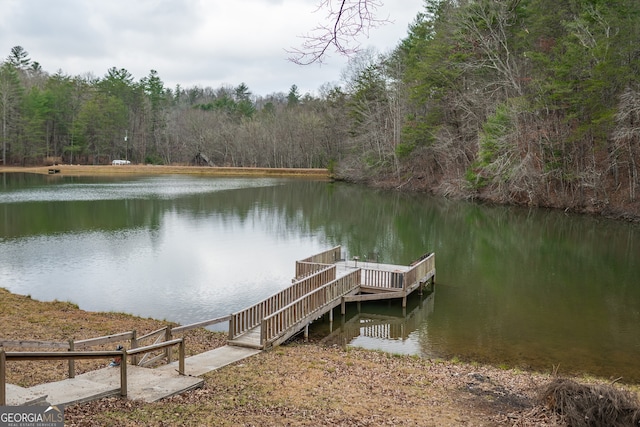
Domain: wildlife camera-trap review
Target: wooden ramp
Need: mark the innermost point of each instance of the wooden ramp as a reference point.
(323, 282)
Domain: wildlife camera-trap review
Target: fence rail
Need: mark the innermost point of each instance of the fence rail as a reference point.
(383, 279)
(275, 325)
(73, 355)
(314, 263)
(34, 344)
(330, 256)
(420, 269)
(249, 318)
(205, 323)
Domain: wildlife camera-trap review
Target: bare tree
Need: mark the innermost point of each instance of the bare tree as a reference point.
(345, 21)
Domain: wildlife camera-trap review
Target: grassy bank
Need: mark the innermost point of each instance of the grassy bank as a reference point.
(300, 384)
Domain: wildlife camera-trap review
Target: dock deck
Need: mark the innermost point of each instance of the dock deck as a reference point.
(323, 282)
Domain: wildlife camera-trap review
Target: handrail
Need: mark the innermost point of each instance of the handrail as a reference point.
(419, 270)
(251, 317)
(72, 355)
(104, 339)
(383, 279)
(34, 344)
(179, 329)
(306, 269)
(55, 355)
(304, 307)
(330, 256)
(152, 334)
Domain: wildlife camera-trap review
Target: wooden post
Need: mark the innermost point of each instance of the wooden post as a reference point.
(306, 333)
(134, 344)
(72, 362)
(181, 351)
(343, 307)
(3, 376)
(167, 337)
(231, 326)
(123, 374)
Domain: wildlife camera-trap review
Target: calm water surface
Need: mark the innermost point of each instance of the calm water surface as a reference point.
(527, 288)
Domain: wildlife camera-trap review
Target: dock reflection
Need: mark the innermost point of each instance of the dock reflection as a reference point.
(377, 320)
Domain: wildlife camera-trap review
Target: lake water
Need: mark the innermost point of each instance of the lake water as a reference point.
(517, 287)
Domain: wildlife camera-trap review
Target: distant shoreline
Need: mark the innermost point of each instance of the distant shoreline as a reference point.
(87, 170)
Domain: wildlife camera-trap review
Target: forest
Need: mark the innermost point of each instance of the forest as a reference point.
(527, 102)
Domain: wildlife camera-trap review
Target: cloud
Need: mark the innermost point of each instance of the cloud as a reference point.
(189, 42)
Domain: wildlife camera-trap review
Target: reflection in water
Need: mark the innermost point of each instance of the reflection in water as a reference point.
(531, 288)
(379, 325)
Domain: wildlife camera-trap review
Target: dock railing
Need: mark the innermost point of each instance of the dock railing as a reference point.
(419, 270)
(314, 263)
(330, 256)
(306, 308)
(249, 318)
(392, 280)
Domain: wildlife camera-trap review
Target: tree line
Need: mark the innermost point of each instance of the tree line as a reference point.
(89, 120)
(531, 102)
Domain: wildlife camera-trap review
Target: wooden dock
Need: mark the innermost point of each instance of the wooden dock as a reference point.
(323, 282)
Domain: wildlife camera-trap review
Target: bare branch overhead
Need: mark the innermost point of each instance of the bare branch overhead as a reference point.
(345, 22)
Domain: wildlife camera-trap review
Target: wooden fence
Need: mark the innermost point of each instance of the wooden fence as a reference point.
(249, 318)
(159, 336)
(383, 279)
(306, 308)
(330, 256)
(73, 355)
(317, 262)
(420, 269)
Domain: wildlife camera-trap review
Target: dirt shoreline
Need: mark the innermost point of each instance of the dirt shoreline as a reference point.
(88, 170)
(298, 384)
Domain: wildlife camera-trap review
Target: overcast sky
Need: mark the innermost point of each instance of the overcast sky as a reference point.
(189, 42)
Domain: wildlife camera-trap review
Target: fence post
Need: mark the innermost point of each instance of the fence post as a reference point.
(181, 351)
(72, 362)
(167, 337)
(134, 344)
(123, 374)
(3, 374)
(232, 323)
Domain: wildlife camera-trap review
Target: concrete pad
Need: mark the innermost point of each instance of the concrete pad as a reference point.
(20, 396)
(74, 390)
(211, 360)
(146, 384)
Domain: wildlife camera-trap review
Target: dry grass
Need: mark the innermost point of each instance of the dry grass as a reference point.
(23, 318)
(295, 385)
(591, 405)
